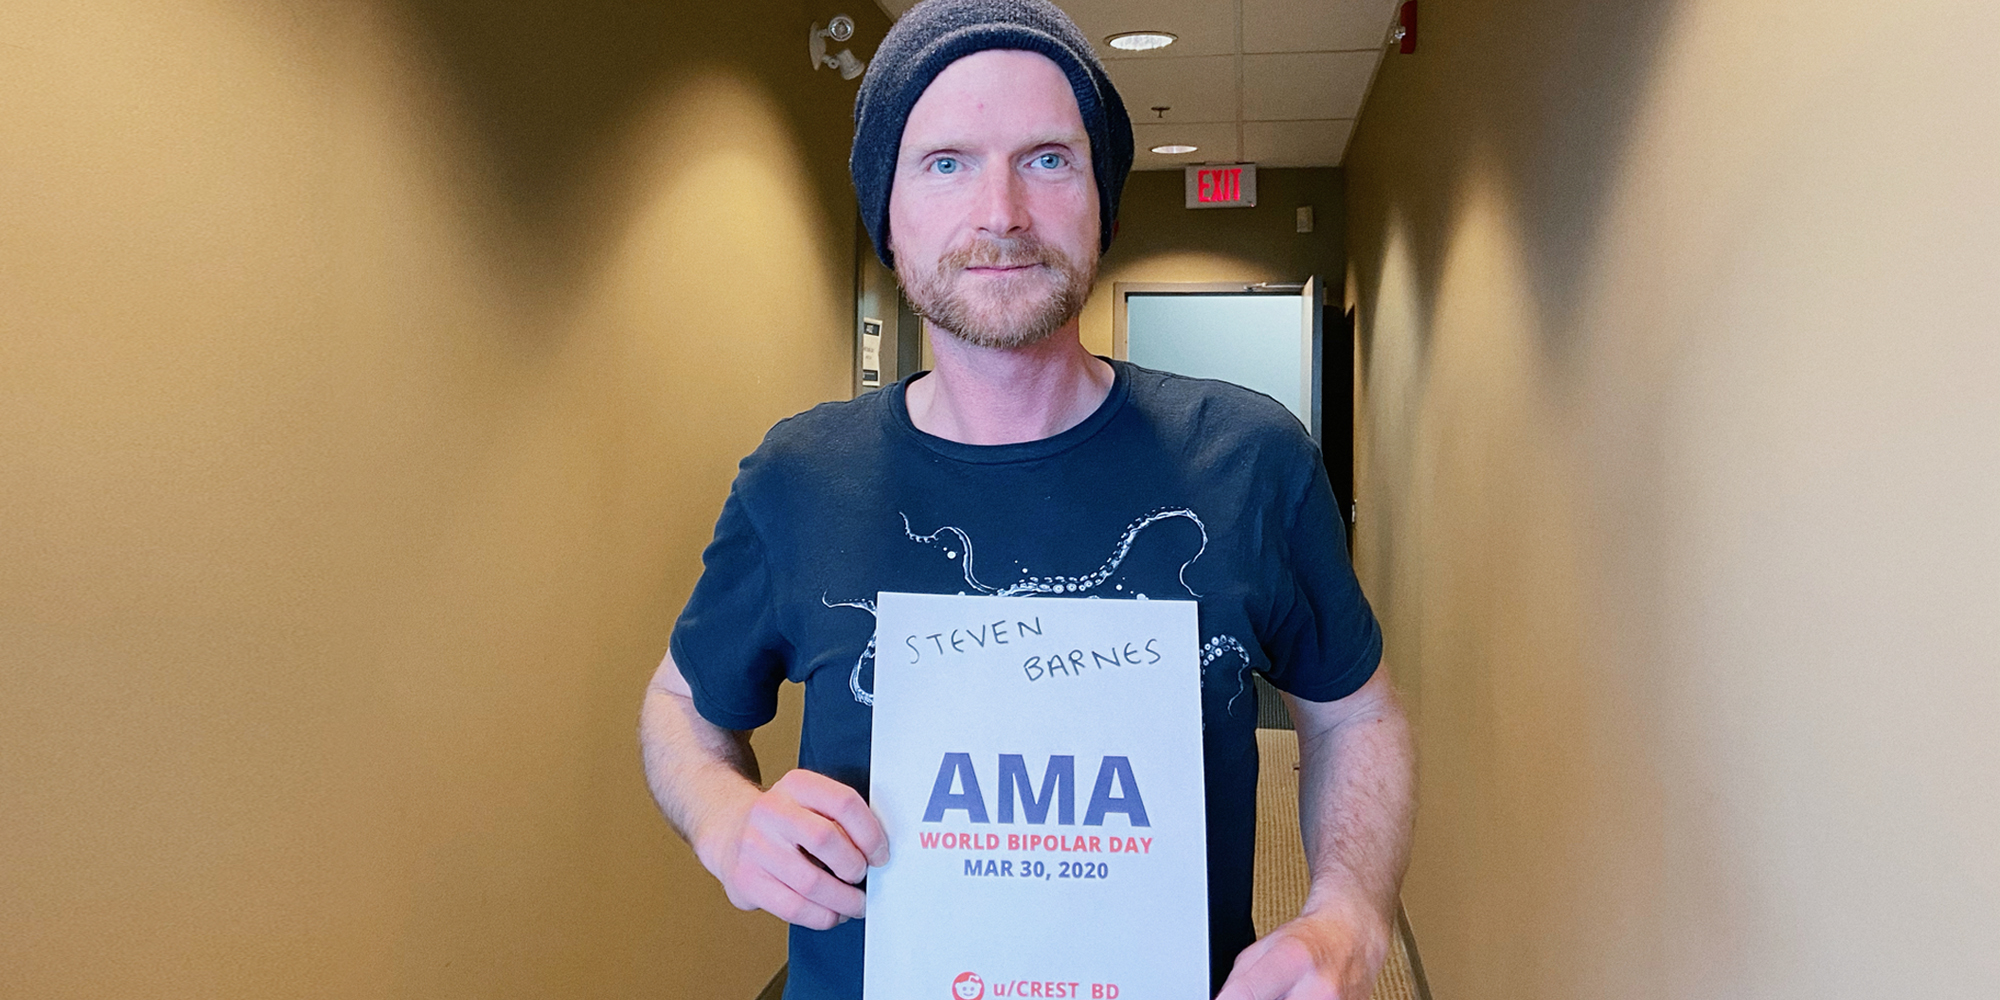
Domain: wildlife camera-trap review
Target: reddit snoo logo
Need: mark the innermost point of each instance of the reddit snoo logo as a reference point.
(968, 986)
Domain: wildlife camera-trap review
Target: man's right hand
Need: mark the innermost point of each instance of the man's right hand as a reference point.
(773, 850)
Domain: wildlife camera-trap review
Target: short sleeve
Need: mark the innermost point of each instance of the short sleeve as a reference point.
(1324, 642)
(727, 642)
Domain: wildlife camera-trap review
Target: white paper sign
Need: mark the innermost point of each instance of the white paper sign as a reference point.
(1037, 763)
(871, 352)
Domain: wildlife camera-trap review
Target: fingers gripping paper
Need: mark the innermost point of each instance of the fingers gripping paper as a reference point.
(1037, 764)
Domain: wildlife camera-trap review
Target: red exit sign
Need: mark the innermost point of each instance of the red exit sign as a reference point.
(1222, 185)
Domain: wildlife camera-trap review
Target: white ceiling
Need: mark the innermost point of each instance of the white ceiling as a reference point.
(1273, 82)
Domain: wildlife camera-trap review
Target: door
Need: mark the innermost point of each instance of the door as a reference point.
(1264, 337)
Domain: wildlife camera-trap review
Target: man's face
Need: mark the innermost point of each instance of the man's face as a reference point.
(993, 214)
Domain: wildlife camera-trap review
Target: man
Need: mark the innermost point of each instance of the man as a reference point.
(989, 152)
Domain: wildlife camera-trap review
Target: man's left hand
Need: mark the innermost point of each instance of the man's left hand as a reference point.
(1322, 955)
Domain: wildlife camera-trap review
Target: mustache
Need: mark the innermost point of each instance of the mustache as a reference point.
(1017, 251)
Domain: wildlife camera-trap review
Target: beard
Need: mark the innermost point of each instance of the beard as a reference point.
(1018, 310)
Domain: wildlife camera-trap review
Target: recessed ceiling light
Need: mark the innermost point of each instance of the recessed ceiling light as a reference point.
(1140, 41)
(1174, 149)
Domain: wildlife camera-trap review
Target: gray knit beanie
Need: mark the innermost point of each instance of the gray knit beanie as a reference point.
(936, 33)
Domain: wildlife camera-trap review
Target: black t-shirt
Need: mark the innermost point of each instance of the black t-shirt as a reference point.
(1173, 488)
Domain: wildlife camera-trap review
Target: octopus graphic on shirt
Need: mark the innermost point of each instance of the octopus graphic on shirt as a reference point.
(955, 544)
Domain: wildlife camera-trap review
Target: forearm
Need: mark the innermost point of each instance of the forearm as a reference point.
(1356, 802)
(699, 773)
(797, 849)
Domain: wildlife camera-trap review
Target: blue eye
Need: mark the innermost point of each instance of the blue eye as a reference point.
(945, 165)
(1049, 161)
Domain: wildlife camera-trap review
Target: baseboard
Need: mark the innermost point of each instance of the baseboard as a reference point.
(775, 989)
(1410, 946)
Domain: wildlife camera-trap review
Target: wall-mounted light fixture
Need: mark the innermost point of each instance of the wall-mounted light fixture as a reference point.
(840, 29)
(1174, 149)
(1141, 41)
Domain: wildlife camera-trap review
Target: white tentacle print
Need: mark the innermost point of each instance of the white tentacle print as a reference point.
(956, 544)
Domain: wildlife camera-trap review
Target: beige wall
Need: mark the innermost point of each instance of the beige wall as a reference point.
(1161, 239)
(1680, 381)
(371, 375)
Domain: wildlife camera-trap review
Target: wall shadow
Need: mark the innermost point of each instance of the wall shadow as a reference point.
(1519, 117)
(1548, 92)
(549, 95)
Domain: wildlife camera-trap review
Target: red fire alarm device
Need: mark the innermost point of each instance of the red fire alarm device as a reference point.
(1405, 33)
(1222, 185)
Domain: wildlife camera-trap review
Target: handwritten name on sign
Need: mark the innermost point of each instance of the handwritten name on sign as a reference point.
(1030, 633)
(1037, 765)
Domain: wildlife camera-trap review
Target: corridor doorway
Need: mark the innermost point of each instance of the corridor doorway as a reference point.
(1271, 337)
(1263, 337)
